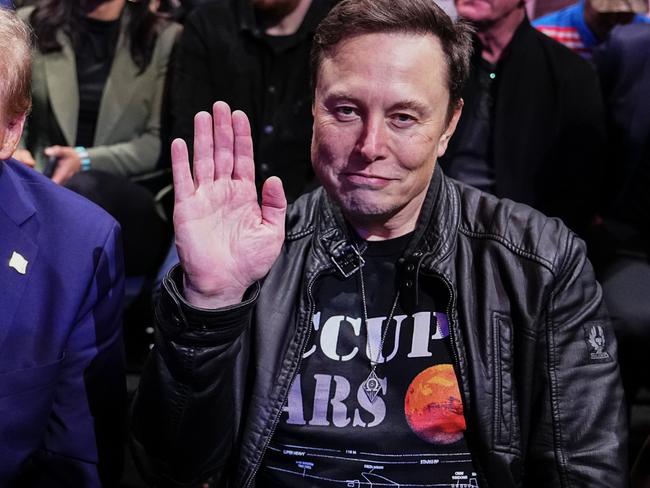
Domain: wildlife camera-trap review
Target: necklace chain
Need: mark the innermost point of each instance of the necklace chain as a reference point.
(371, 385)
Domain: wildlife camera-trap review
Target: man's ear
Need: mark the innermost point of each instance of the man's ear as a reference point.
(10, 133)
(451, 127)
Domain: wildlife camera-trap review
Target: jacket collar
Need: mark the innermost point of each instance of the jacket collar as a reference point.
(434, 236)
(13, 201)
(18, 244)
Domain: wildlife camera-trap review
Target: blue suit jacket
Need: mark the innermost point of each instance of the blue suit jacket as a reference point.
(62, 388)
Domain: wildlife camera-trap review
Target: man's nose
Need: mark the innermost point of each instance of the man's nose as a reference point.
(373, 139)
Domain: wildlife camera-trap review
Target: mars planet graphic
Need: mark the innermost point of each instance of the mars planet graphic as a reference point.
(433, 407)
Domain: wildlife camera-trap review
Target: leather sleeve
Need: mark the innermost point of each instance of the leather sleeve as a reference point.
(183, 430)
(580, 437)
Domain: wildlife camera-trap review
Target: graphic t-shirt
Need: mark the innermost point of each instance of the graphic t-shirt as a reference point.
(331, 433)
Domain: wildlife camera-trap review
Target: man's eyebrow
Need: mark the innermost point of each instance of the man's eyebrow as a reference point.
(409, 104)
(339, 95)
(413, 105)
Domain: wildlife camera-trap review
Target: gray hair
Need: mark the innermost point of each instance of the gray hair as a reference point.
(15, 65)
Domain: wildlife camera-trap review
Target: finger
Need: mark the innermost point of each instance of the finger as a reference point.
(53, 151)
(60, 175)
(244, 166)
(274, 203)
(181, 173)
(203, 149)
(223, 140)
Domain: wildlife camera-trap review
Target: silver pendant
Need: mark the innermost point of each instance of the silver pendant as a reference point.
(372, 386)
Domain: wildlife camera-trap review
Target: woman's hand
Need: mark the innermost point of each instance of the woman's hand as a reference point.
(68, 163)
(25, 157)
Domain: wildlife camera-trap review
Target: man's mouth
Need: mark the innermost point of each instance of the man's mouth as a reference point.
(366, 179)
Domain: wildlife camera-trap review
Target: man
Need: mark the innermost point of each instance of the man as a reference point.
(397, 328)
(533, 127)
(584, 25)
(253, 54)
(62, 389)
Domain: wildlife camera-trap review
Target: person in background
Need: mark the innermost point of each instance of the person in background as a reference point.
(394, 327)
(584, 25)
(623, 267)
(533, 124)
(179, 9)
(254, 55)
(62, 385)
(98, 82)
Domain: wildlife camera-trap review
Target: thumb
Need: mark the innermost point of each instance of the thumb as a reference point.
(274, 203)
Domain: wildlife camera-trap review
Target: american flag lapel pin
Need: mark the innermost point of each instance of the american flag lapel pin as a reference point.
(18, 262)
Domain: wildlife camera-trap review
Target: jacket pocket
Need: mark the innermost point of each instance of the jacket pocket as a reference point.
(505, 413)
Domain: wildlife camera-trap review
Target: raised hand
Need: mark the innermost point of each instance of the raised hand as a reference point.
(225, 240)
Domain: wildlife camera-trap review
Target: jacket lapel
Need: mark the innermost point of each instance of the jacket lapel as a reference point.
(119, 89)
(61, 75)
(15, 210)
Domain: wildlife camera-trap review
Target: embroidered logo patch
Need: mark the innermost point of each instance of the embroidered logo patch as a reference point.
(596, 344)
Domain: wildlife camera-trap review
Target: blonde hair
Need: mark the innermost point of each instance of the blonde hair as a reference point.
(15, 65)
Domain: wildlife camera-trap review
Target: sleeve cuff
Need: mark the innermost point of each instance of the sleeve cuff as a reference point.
(184, 316)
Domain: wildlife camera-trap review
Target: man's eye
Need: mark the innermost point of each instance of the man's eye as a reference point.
(403, 120)
(345, 112)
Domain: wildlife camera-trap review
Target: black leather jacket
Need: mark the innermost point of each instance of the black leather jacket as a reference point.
(542, 398)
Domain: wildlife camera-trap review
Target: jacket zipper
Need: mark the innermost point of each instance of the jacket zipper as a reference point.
(276, 420)
(454, 350)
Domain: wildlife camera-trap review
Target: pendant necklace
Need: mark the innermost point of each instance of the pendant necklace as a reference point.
(371, 386)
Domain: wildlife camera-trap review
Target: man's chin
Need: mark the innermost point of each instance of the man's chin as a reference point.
(365, 210)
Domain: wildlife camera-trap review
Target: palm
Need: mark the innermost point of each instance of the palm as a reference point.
(225, 240)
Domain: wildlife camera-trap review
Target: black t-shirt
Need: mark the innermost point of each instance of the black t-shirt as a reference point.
(94, 57)
(412, 434)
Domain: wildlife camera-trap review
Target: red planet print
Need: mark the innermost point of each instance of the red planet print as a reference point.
(433, 407)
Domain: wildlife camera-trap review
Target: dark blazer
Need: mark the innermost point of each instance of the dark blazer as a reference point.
(62, 388)
(623, 64)
(548, 131)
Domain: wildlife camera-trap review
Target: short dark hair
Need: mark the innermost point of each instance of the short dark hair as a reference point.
(15, 65)
(351, 18)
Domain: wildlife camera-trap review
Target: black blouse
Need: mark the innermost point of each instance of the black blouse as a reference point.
(94, 53)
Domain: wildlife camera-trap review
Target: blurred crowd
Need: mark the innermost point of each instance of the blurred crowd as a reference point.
(556, 115)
